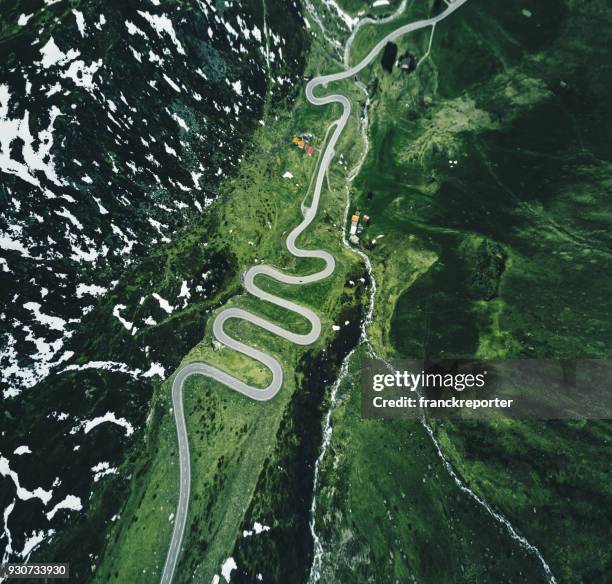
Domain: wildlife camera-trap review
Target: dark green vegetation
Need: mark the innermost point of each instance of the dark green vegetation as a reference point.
(389, 511)
(527, 194)
(489, 171)
(284, 491)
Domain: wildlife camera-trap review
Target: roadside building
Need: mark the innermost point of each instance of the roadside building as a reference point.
(302, 142)
(408, 63)
(354, 224)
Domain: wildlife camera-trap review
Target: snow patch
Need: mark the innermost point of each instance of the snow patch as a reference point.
(23, 19)
(82, 74)
(37, 537)
(22, 493)
(256, 529)
(117, 314)
(80, 20)
(162, 24)
(70, 502)
(53, 322)
(91, 289)
(89, 425)
(33, 160)
(52, 55)
(155, 369)
(185, 293)
(180, 121)
(163, 303)
(228, 566)
(102, 469)
(134, 30)
(172, 83)
(113, 366)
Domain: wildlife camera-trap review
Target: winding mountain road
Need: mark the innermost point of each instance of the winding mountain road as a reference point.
(251, 287)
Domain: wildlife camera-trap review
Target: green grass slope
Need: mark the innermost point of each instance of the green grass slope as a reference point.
(248, 458)
(489, 237)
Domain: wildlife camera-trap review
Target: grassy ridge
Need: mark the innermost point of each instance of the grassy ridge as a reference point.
(231, 438)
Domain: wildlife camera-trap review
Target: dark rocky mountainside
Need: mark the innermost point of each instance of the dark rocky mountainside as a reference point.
(118, 123)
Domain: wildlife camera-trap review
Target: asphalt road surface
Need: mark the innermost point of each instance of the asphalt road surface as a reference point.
(268, 361)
